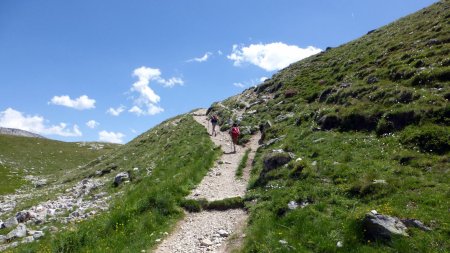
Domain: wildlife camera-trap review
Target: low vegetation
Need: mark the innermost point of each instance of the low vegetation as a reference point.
(242, 164)
(198, 205)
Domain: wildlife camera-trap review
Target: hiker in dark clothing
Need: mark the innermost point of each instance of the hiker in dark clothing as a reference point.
(214, 121)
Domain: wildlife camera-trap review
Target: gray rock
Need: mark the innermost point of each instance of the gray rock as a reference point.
(206, 243)
(11, 222)
(382, 227)
(19, 232)
(416, 224)
(292, 205)
(40, 183)
(372, 80)
(38, 234)
(2, 238)
(223, 233)
(121, 177)
(28, 239)
(280, 118)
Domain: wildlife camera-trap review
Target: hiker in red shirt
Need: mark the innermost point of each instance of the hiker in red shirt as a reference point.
(234, 132)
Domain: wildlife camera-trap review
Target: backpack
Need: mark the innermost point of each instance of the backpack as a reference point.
(235, 131)
(214, 119)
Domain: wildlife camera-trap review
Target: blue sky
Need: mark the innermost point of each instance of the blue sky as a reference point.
(90, 70)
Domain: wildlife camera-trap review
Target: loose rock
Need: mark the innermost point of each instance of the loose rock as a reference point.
(11, 222)
(121, 177)
(382, 227)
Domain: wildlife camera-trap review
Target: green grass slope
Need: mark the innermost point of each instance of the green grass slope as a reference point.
(373, 110)
(165, 163)
(50, 159)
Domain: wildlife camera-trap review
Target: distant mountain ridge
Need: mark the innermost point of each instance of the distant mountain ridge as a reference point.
(19, 132)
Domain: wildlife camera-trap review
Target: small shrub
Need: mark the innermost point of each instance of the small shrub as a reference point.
(296, 169)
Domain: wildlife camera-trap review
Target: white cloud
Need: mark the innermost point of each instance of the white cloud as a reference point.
(154, 109)
(239, 85)
(14, 119)
(262, 79)
(147, 97)
(270, 57)
(92, 124)
(114, 137)
(204, 58)
(171, 82)
(81, 103)
(136, 110)
(219, 52)
(116, 111)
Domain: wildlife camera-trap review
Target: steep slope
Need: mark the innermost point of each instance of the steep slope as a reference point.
(18, 132)
(360, 127)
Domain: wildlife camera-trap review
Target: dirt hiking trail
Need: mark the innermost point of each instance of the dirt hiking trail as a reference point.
(214, 231)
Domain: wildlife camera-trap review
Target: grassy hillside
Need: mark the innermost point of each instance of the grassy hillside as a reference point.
(368, 124)
(44, 158)
(165, 163)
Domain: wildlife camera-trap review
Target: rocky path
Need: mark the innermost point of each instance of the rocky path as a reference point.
(210, 231)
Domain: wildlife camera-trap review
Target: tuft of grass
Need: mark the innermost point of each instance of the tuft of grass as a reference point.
(198, 205)
(242, 164)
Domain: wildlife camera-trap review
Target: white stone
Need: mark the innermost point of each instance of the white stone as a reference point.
(38, 234)
(339, 244)
(223, 233)
(292, 205)
(374, 211)
(206, 243)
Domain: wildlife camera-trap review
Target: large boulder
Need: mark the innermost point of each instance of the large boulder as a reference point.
(121, 177)
(19, 232)
(276, 159)
(382, 227)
